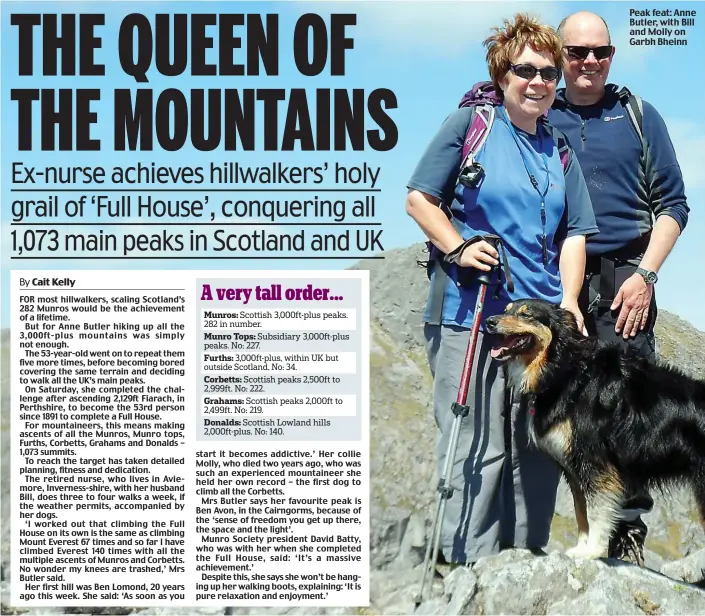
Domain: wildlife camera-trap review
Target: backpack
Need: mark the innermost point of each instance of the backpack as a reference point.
(483, 99)
(634, 107)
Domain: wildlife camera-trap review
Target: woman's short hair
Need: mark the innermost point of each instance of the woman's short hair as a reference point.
(509, 41)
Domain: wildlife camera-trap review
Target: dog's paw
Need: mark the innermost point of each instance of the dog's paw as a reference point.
(584, 552)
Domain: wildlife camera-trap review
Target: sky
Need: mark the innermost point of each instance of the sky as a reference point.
(428, 54)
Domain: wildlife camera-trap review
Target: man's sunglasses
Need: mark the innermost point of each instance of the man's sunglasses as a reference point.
(528, 71)
(578, 52)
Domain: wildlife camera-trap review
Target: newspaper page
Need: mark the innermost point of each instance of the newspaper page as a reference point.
(222, 391)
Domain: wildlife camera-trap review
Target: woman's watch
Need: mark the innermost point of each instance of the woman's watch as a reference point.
(649, 276)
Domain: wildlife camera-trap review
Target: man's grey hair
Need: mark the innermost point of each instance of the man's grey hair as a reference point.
(561, 27)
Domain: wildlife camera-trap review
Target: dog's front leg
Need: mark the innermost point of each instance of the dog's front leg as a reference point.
(603, 500)
(580, 512)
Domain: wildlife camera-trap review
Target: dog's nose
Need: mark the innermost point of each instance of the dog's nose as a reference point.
(491, 323)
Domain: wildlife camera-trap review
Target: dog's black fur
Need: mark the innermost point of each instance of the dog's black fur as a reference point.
(614, 421)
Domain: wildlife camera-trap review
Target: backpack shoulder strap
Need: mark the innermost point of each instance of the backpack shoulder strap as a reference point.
(564, 150)
(479, 126)
(634, 107)
(483, 99)
(481, 121)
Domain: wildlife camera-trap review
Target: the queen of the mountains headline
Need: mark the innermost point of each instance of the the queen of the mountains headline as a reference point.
(232, 46)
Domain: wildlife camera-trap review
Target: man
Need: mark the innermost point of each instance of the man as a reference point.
(640, 209)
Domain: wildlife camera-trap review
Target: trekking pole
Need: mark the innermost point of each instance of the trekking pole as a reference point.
(460, 409)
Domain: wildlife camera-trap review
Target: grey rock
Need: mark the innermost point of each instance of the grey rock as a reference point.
(434, 607)
(384, 584)
(656, 593)
(402, 600)
(516, 582)
(102, 611)
(459, 588)
(5, 605)
(292, 611)
(387, 535)
(182, 611)
(689, 569)
(604, 597)
(412, 549)
(396, 591)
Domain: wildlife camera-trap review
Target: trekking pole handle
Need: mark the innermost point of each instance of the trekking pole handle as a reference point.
(484, 278)
(487, 278)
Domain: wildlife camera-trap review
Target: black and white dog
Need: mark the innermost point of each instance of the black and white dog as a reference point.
(613, 421)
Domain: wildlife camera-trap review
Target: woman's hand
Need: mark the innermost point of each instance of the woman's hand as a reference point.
(572, 305)
(480, 255)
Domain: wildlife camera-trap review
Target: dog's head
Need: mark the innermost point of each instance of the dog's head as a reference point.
(527, 333)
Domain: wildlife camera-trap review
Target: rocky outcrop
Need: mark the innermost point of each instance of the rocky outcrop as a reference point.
(519, 582)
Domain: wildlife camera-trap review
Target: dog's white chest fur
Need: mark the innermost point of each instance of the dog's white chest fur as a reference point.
(555, 443)
(516, 370)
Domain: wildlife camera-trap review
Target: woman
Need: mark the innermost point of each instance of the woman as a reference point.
(503, 489)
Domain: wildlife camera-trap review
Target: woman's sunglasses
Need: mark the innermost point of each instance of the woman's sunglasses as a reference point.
(528, 71)
(578, 52)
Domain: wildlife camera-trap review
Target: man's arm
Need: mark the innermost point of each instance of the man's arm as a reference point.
(635, 295)
(669, 206)
(663, 238)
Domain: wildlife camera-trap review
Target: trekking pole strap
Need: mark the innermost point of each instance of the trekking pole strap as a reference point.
(454, 255)
(499, 245)
(440, 273)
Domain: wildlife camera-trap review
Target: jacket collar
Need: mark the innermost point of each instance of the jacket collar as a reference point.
(610, 96)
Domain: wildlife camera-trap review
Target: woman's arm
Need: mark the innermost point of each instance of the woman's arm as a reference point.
(434, 223)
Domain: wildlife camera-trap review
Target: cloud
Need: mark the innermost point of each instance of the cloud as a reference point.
(441, 29)
(635, 57)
